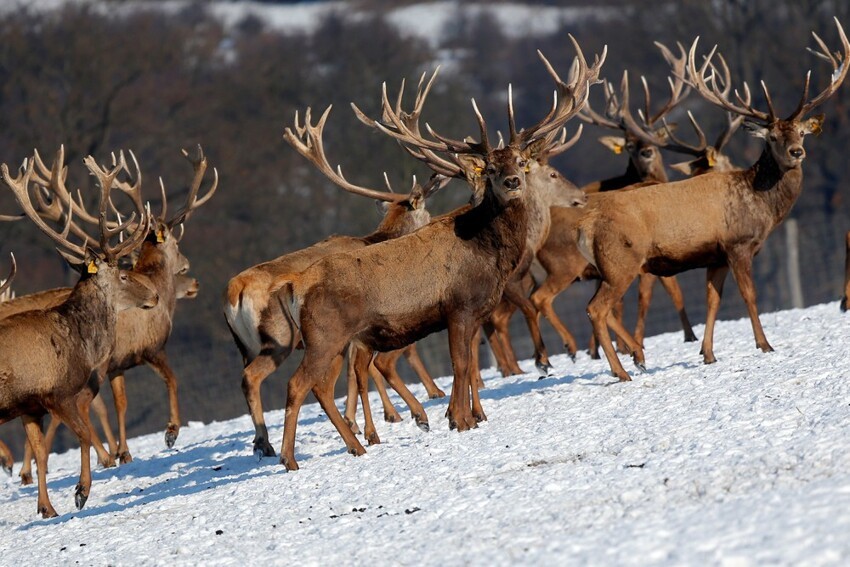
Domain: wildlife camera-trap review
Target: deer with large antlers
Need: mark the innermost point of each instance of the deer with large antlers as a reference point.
(560, 255)
(51, 358)
(548, 188)
(184, 287)
(263, 332)
(718, 220)
(449, 274)
(142, 336)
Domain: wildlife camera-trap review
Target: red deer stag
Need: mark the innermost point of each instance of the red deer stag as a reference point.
(449, 274)
(66, 345)
(718, 220)
(262, 332)
(184, 287)
(142, 335)
(547, 188)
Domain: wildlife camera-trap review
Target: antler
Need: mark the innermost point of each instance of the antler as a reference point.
(199, 165)
(307, 141)
(74, 253)
(137, 231)
(839, 72)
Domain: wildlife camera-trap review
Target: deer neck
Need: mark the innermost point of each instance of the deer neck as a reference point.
(778, 186)
(90, 315)
(498, 228)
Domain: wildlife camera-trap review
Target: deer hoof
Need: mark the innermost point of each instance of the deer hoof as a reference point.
(640, 365)
(262, 448)
(438, 394)
(479, 417)
(844, 304)
(108, 462)
(357, 450)
(392, 417)
(47, 511)
(372, 439)
(571, 354)
(766, 348)
(544, 367)
(26, 479)
(80, 497)
(125, 457)
(8, 469)
(171, 433)
(290, 464)
(423, 425)
(352, 425)
(689, 338)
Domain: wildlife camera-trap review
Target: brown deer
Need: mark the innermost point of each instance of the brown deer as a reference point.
(718, 220)
(184, 287)
(6, 458)
(142, 335)
(64, 347)
(548, 188)
(262, 332)
(560, 255)
(845, 302)
(449, 274)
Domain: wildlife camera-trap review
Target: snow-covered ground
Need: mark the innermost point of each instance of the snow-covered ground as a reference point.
(743, 462)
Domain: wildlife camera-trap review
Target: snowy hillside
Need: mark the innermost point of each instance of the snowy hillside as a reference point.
(743, 462)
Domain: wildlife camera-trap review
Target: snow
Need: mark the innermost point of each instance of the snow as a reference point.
(743, 462)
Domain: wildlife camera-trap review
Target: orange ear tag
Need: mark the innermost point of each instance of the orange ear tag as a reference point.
(160, 237)
(92, 267)
(618, 150)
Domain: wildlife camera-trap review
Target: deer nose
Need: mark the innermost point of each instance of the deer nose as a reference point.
(796, 152)
(512, 182)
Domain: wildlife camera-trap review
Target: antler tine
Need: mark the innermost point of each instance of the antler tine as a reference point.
(51, 209)
(511, 120)
(733, 122)
(713, 94)
(839, 73)
(75, 253)
(308, 143)
(106, 179)
(436, 182)
(678, 87)
(674, 144)
(199, 166)
(4, 285)
(54, 178)
(612, 110)
(561, 144)
(571, 97)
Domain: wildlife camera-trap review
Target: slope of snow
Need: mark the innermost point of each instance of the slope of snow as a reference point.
(743, 462)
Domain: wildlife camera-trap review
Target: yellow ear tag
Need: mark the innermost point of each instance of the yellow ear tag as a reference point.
(478, 169)
(92, 267)
(618, 149)
(160, 237)
(711, 161)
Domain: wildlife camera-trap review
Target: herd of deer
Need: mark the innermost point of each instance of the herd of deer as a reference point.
(371, 298)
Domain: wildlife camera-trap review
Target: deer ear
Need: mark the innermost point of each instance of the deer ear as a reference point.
(473, 166)
(685, 167)
(755, 129)
(614, 143)
(814, 125)
(383, 206)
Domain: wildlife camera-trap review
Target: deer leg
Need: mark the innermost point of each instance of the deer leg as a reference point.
(324, 392)
(391, 415)
(506, 360)
(159, 363)
(387, 367)
(350, 415)
(617, 314)
(412, 355)
(671, 285)
(598, 310)
(252, 377)
(645, 283)
(461, 333)
(543, 299)
(75, 414)
(26, 464)
(715, 276)
(35, 439)
(362, 361)
(475, 361)
(6, 458)
(119, 396)
(741, 265)
(99, 408)
(515, 294)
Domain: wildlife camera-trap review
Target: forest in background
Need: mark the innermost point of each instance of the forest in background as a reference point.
(156, 82)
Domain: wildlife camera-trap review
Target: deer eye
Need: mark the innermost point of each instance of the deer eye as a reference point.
(523, 163)
(553, 175)
(491, 170)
